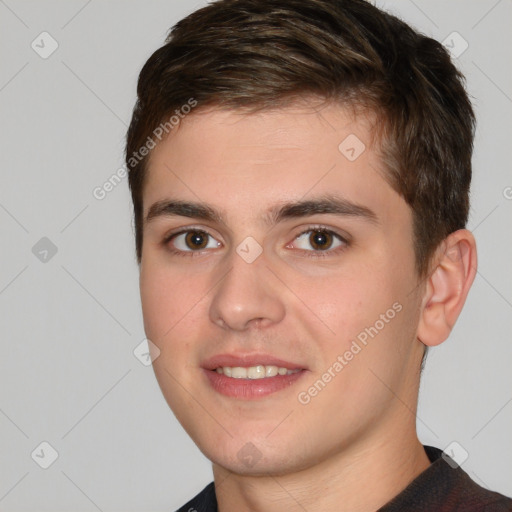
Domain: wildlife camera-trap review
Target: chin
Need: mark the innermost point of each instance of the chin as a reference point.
(257, 465)
(258, 457)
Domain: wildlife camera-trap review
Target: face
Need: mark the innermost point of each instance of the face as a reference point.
(278, 282)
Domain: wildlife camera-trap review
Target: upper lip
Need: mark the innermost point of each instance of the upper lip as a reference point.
(246, 360)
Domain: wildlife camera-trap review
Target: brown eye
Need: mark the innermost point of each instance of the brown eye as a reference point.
(196, 240)
(320, 240)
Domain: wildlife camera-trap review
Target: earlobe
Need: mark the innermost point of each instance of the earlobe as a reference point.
(447, 287)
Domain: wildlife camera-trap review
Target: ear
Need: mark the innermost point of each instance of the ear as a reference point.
(447, 287)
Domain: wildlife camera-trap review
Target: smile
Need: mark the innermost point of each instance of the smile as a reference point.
(254, 372)
(247, 376)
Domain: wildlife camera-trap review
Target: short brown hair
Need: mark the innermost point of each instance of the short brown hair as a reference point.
(261, 54)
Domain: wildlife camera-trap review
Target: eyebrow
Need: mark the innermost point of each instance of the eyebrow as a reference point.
(323, 205)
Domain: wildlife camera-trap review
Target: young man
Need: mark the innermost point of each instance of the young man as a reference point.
(300, 172)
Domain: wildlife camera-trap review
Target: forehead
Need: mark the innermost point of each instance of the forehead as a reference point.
(246, 163)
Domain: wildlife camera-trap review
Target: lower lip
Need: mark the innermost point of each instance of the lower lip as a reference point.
(250, 388)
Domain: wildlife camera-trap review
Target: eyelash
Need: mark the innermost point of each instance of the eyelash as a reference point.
(328, 252)
(177, 252)
(307, 253)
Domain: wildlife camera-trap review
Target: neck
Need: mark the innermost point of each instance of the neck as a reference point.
(361, 479)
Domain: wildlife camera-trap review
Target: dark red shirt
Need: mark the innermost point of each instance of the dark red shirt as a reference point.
(442, 487)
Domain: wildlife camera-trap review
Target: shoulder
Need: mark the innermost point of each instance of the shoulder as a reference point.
(471, 497)
(444, 486)
(462, 493)
(205, 501)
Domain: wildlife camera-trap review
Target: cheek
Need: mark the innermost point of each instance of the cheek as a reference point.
(171, 306)
(168, 298)
(364, 314)
(339, 306)
(156, 300)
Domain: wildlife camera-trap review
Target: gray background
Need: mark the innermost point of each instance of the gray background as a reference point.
(70, 323)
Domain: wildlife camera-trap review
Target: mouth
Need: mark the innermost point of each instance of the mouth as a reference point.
(250, 376)
(254, 372)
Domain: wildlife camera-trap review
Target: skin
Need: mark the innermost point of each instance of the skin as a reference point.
(354, 445)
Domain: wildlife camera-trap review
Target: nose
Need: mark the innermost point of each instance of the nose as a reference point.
(248, 296)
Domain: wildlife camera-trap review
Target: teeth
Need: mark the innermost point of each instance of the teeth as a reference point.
(271, 371)
(256, 372)
(253, 372)
(238, 372)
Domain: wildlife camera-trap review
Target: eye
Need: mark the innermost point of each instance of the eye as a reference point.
(193, 240)
(318, 240)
